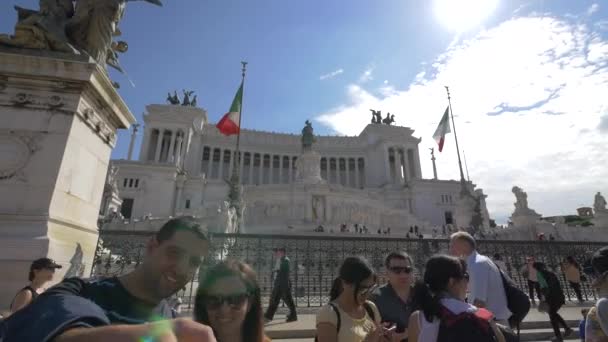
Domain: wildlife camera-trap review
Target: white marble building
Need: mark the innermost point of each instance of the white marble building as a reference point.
(373, 179)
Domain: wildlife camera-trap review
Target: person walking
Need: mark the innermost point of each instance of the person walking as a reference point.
(281, 288)
(572, 271)
(41, 272)
(529, 272)
(554, 298)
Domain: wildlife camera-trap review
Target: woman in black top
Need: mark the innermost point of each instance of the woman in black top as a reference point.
(41, 271)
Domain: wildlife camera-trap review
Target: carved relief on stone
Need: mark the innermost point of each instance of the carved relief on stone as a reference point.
(318, 208)
(16, 150)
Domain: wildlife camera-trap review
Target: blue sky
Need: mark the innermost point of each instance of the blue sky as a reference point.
(540, 68)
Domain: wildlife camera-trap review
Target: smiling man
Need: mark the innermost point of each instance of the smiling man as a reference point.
(120, 308)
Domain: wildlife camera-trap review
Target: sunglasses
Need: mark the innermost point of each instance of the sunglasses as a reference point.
(466, 276)
(233, 301)
(365, 290)
(399, 269)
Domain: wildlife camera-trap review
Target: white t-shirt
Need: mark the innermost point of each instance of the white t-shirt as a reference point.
(485, 284)
(430, 330)
(351, 329)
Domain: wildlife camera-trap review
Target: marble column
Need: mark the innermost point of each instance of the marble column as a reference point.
(348, 172)
(170, 152)
(406, 172)
(159, 142)
(261, 170)
(280, 169)
(290, 172)
(397, 165)
(239, 159)
(221, 168)
(417, 168)
(144, 151)
(178, 151)
(210, 164)
(271, 171)
(387, 164)
(231, 162)
(357, 176)
(251, 159)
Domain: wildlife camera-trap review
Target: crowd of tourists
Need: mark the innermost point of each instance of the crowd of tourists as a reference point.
(463, 296)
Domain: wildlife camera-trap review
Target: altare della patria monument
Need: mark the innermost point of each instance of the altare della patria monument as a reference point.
(59, 189)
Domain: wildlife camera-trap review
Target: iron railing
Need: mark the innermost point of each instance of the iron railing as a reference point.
(316, 260)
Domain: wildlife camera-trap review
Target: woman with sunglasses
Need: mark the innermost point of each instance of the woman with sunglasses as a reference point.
(444, 287)
(596, 326)
(228, 300)
(349, 316)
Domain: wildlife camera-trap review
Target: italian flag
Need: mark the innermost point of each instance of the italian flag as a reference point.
(229, 124)
(442, 129)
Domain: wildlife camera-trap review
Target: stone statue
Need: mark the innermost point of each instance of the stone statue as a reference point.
(376, 116)
(112, 178)
(599, 204)
(83, 26)
(389, 119)
(44, 29)
(186, 100)
(173, 99)
(308, 137)
(318, 209)
(193, 102)
(521, 198)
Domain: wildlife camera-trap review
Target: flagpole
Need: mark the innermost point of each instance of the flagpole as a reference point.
(466, 166)
(234, 194)
(238, 136)
(462, 179)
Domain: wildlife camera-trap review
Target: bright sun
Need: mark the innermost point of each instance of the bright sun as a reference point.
(463, 15)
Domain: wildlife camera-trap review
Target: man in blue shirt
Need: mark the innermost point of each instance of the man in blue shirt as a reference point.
(120, 308)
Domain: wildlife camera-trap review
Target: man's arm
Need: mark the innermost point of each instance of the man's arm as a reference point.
(181, 329)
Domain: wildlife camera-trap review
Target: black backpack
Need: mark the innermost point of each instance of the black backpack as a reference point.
(518, 301)
(466, 326)
(333, 306)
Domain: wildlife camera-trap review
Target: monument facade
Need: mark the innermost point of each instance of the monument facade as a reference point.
(292, 183)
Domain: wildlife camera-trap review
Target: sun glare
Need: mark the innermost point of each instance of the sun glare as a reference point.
(463, 15)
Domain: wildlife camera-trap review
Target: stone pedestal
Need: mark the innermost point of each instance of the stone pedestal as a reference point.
(527, 218)
(600, 219)
(308, 167)
(59, 116)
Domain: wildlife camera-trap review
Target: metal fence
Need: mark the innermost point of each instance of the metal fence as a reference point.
(316, 259)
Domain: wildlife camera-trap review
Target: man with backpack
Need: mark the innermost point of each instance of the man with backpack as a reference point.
(486, 288)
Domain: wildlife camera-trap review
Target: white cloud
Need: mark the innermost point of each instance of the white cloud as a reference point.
(592, 9)
(366, 76)
(544, 79)
(331, 74)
